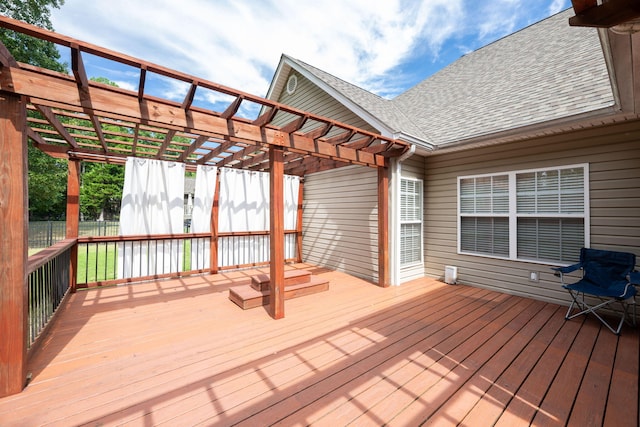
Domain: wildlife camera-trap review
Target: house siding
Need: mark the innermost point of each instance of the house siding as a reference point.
(340, 221)
(311, 98)
(613, 155)
(340, 207)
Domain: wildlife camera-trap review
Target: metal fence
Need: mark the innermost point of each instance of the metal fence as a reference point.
(43, 234)
(49, 276)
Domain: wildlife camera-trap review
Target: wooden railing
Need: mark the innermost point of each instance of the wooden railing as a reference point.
(110, 260)
(48, 284)
(98, 264)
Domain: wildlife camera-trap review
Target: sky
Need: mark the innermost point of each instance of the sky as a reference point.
(384, 46)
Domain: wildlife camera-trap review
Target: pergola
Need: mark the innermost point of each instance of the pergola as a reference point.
(72, 117)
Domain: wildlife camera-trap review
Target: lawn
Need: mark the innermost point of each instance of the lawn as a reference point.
(99, 261)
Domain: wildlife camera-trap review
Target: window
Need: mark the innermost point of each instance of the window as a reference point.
(534, 215)
(410, 221)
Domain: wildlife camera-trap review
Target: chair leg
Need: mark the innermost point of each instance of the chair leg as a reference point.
(584, 308)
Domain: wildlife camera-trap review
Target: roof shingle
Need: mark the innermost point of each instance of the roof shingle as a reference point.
(545, 72)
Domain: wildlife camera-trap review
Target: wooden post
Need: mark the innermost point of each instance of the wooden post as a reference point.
(383, 226)
(276, 231)
(299, 222)
(73, 218)
(213, 247)
(14, 222)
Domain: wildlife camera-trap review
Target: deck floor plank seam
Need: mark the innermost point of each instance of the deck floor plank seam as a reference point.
(178, 352)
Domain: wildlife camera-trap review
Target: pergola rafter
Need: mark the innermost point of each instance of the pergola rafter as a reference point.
(77, 96)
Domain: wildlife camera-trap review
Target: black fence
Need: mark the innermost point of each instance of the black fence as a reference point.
(43, 234)
(48, 284)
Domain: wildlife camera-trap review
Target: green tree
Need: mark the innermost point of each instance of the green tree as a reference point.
(47, 186)
(47, 176)
(101, 190)
(25, 48)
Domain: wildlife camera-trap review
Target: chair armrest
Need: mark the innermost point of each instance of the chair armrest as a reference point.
(568, 269)
(634, 278)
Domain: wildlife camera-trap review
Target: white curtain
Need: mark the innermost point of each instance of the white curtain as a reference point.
(244, 200)
(152, 204)
(291, 187)
(201, 215)
(244, 206)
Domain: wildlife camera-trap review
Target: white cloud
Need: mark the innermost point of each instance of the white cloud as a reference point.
(239, 43)
(557, 5)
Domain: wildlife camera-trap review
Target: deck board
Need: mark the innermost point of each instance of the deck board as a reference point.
(178, 352)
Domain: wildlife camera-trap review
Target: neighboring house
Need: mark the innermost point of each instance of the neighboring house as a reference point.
(189, 192)
(525, 150)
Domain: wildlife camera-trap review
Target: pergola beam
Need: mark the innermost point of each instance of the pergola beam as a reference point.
(238, 155)
(167, 141)
(57, 125)
(77, 65)
(224, 146)
(232, 109)
(188, 99)
(196, 144)
(6, 59)
(253, 160)
(605, 15)
(158, 113)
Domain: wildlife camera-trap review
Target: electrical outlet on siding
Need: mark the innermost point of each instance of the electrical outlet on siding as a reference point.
(534, 276)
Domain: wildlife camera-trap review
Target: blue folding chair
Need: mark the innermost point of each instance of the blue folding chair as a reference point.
(607, 276)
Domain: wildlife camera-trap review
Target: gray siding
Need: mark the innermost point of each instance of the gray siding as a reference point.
(613, 154)
(413, 167)
(340, 221)
(311, 98)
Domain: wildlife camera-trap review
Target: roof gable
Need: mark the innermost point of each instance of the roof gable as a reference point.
(378, 112)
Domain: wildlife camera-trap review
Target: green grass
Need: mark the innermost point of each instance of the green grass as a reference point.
(99, 261)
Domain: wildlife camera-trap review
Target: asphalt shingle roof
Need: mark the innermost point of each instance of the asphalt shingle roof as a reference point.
(544, 72)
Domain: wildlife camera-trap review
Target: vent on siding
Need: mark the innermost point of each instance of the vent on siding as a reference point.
(292, 84)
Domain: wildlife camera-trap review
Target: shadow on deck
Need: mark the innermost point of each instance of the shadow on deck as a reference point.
(179, 352)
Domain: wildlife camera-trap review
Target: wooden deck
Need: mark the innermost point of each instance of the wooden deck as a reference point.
(179, 353)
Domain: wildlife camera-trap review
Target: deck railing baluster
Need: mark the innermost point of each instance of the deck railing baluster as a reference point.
(159, 256)
(48, 283)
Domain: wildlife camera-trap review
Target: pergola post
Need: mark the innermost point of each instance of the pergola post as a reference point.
(276, 231)
(73, 217)
(14, 209)
(383, 226)
(213, 246)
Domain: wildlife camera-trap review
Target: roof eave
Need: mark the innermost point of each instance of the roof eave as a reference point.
(603, 116)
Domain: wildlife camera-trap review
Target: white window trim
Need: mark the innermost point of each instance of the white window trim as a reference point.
(420, 221)
(513, 214)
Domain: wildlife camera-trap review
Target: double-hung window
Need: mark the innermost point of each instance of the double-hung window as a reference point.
(410, 221)
(533, 215)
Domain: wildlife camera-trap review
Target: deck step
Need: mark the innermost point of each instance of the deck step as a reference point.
(247, 297)
(260, 282)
